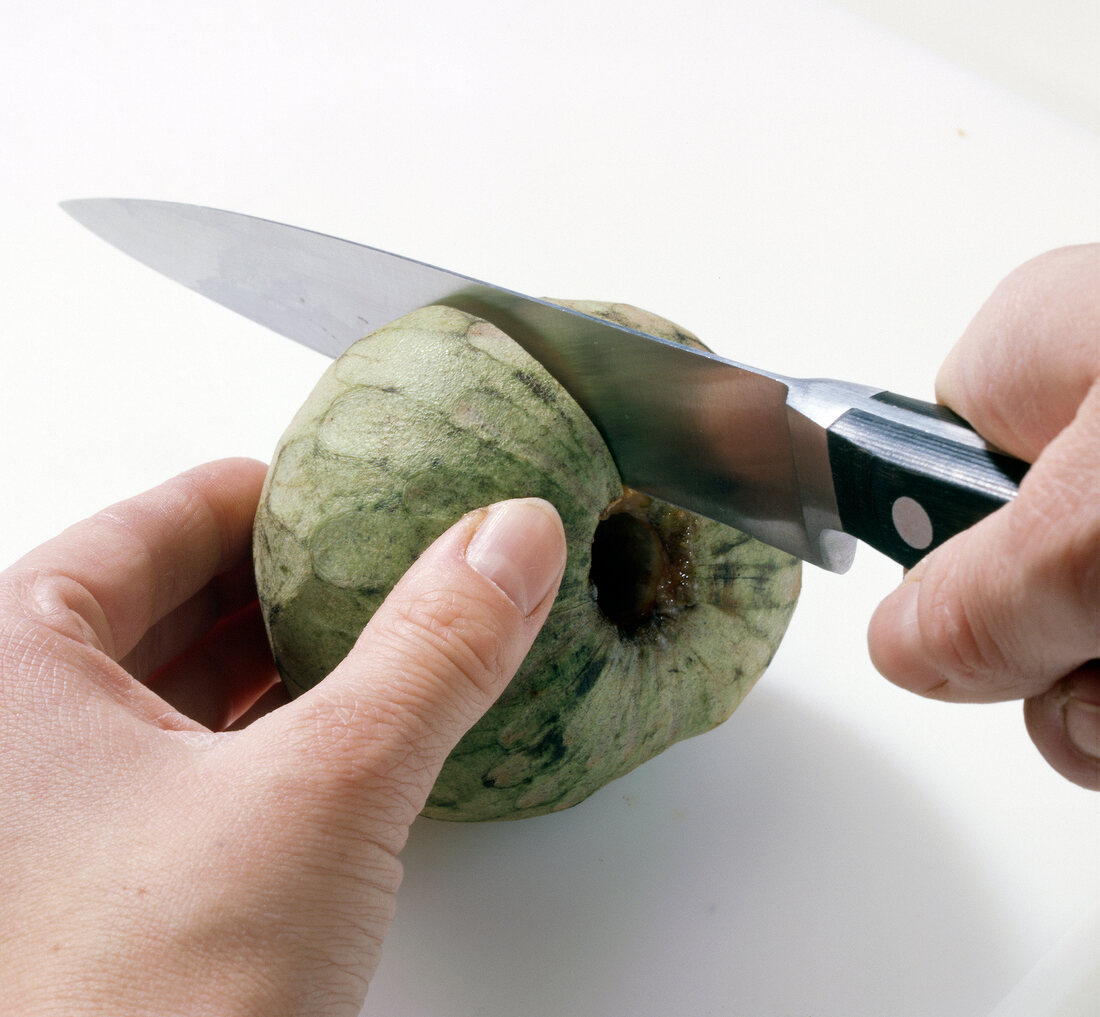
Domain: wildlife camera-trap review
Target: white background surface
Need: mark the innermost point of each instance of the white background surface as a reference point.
(798, 185)
(1046, 51)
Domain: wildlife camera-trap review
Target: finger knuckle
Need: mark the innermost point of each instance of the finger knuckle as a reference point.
(1057, 518)
(1084, 567)
(961, 639)
(451, 633)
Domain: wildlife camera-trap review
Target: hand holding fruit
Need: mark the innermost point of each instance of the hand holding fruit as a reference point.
(157, 858)
(1011, 608)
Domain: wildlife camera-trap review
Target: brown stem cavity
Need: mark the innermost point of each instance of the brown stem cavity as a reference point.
(641, 571)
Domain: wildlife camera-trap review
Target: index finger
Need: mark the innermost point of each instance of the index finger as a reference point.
(1027, 360)
(125, 568)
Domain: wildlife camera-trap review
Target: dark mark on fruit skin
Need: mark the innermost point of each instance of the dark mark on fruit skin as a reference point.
(551, 747)
(724, 572)
(587, 676)
(547, 751)
(727, 546)
(537, 386)
(390, 503)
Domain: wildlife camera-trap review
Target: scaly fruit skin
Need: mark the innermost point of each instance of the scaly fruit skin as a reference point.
(439, 413)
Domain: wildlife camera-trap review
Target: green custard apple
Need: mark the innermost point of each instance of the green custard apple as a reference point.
(664, 619)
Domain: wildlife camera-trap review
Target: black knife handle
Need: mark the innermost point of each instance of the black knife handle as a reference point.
(911, 476)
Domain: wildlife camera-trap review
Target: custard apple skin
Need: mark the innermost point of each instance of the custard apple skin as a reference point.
(440, 413)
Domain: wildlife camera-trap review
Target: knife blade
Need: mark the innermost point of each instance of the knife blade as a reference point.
(806, 465)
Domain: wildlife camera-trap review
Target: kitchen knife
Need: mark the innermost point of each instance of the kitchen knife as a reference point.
(805, 465)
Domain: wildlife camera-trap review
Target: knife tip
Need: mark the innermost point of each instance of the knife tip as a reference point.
(79, 208)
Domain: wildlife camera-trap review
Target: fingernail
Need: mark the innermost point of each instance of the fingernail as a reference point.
(1082, 713)
(520, 547)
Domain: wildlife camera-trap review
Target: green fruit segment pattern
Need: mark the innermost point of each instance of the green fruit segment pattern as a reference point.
(440, 413)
